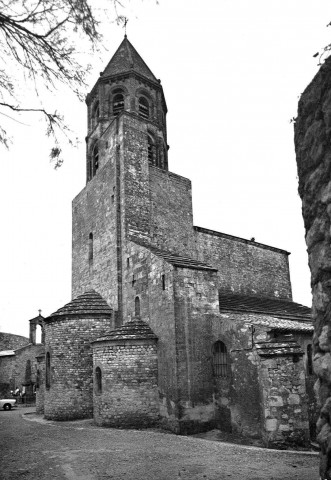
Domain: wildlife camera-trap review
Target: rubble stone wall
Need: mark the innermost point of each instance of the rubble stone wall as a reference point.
(284, 403)
(313, 153)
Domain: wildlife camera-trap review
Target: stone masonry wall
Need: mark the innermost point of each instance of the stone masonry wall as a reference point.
(284, 402)
(313, 153)
(143, 279)
(242, 398)
(94, 212)
(68, 340)
(129, 396)
(196, 307)
(239, 399)
(171, 212)
(243, 266)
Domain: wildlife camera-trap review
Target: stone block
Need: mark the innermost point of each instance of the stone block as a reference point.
(271, 424)
(276, 401)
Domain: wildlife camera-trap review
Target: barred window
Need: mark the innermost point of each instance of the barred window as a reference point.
(220, 360)
(98, 380)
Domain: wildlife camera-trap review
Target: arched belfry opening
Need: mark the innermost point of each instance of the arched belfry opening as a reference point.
(143, 108)
(118, 101)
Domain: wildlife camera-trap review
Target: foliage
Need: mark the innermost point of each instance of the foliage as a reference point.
(38, 43)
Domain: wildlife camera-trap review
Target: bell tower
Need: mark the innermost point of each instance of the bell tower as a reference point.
(126, 85)
(126, 137)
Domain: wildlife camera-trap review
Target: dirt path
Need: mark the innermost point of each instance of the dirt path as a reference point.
(33, 449)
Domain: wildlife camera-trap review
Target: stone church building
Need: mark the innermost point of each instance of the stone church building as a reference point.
(170, 324)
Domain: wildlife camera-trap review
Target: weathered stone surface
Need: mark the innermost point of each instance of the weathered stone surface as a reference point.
(313, 151)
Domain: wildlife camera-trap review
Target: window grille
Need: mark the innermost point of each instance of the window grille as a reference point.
(220, 360)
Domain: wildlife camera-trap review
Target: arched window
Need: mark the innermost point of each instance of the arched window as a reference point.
(137, 307)
(143, 107)
(48, 370)
(90, 248)
(95, 158)
(118, 102)
(38, 334)
(151, 150)
(98, 380)
(310, 369)
(220, 360)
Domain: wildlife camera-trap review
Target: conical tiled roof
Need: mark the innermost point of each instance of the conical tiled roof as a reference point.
(88, 303)
(133, 330)
(126, 59)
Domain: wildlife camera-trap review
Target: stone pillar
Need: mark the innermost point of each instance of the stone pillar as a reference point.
(283, 394)
(313, 153)
(40, 386)
(125, 377)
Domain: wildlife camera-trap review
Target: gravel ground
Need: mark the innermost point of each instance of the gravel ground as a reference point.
(33, 449)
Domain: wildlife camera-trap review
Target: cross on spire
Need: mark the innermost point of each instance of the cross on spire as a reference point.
(125, 20)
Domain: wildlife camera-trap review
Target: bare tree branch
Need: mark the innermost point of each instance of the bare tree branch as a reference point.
(39, 38)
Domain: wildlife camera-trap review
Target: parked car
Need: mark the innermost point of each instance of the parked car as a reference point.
(8, 403)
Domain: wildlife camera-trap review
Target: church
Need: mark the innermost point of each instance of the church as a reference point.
(170, 324)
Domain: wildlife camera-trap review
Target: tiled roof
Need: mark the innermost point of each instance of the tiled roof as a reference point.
(7, 353)
(88, 303)
(133, 330)
(178, 260)
(126, 59)
(284, 325)
(271, 306)
(278, 348)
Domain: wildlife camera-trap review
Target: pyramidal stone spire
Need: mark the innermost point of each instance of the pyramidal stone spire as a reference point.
(127, 59)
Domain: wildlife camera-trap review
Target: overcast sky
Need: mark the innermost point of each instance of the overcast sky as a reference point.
(232, 72)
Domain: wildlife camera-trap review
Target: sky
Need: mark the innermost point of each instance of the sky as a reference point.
(232, 73)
